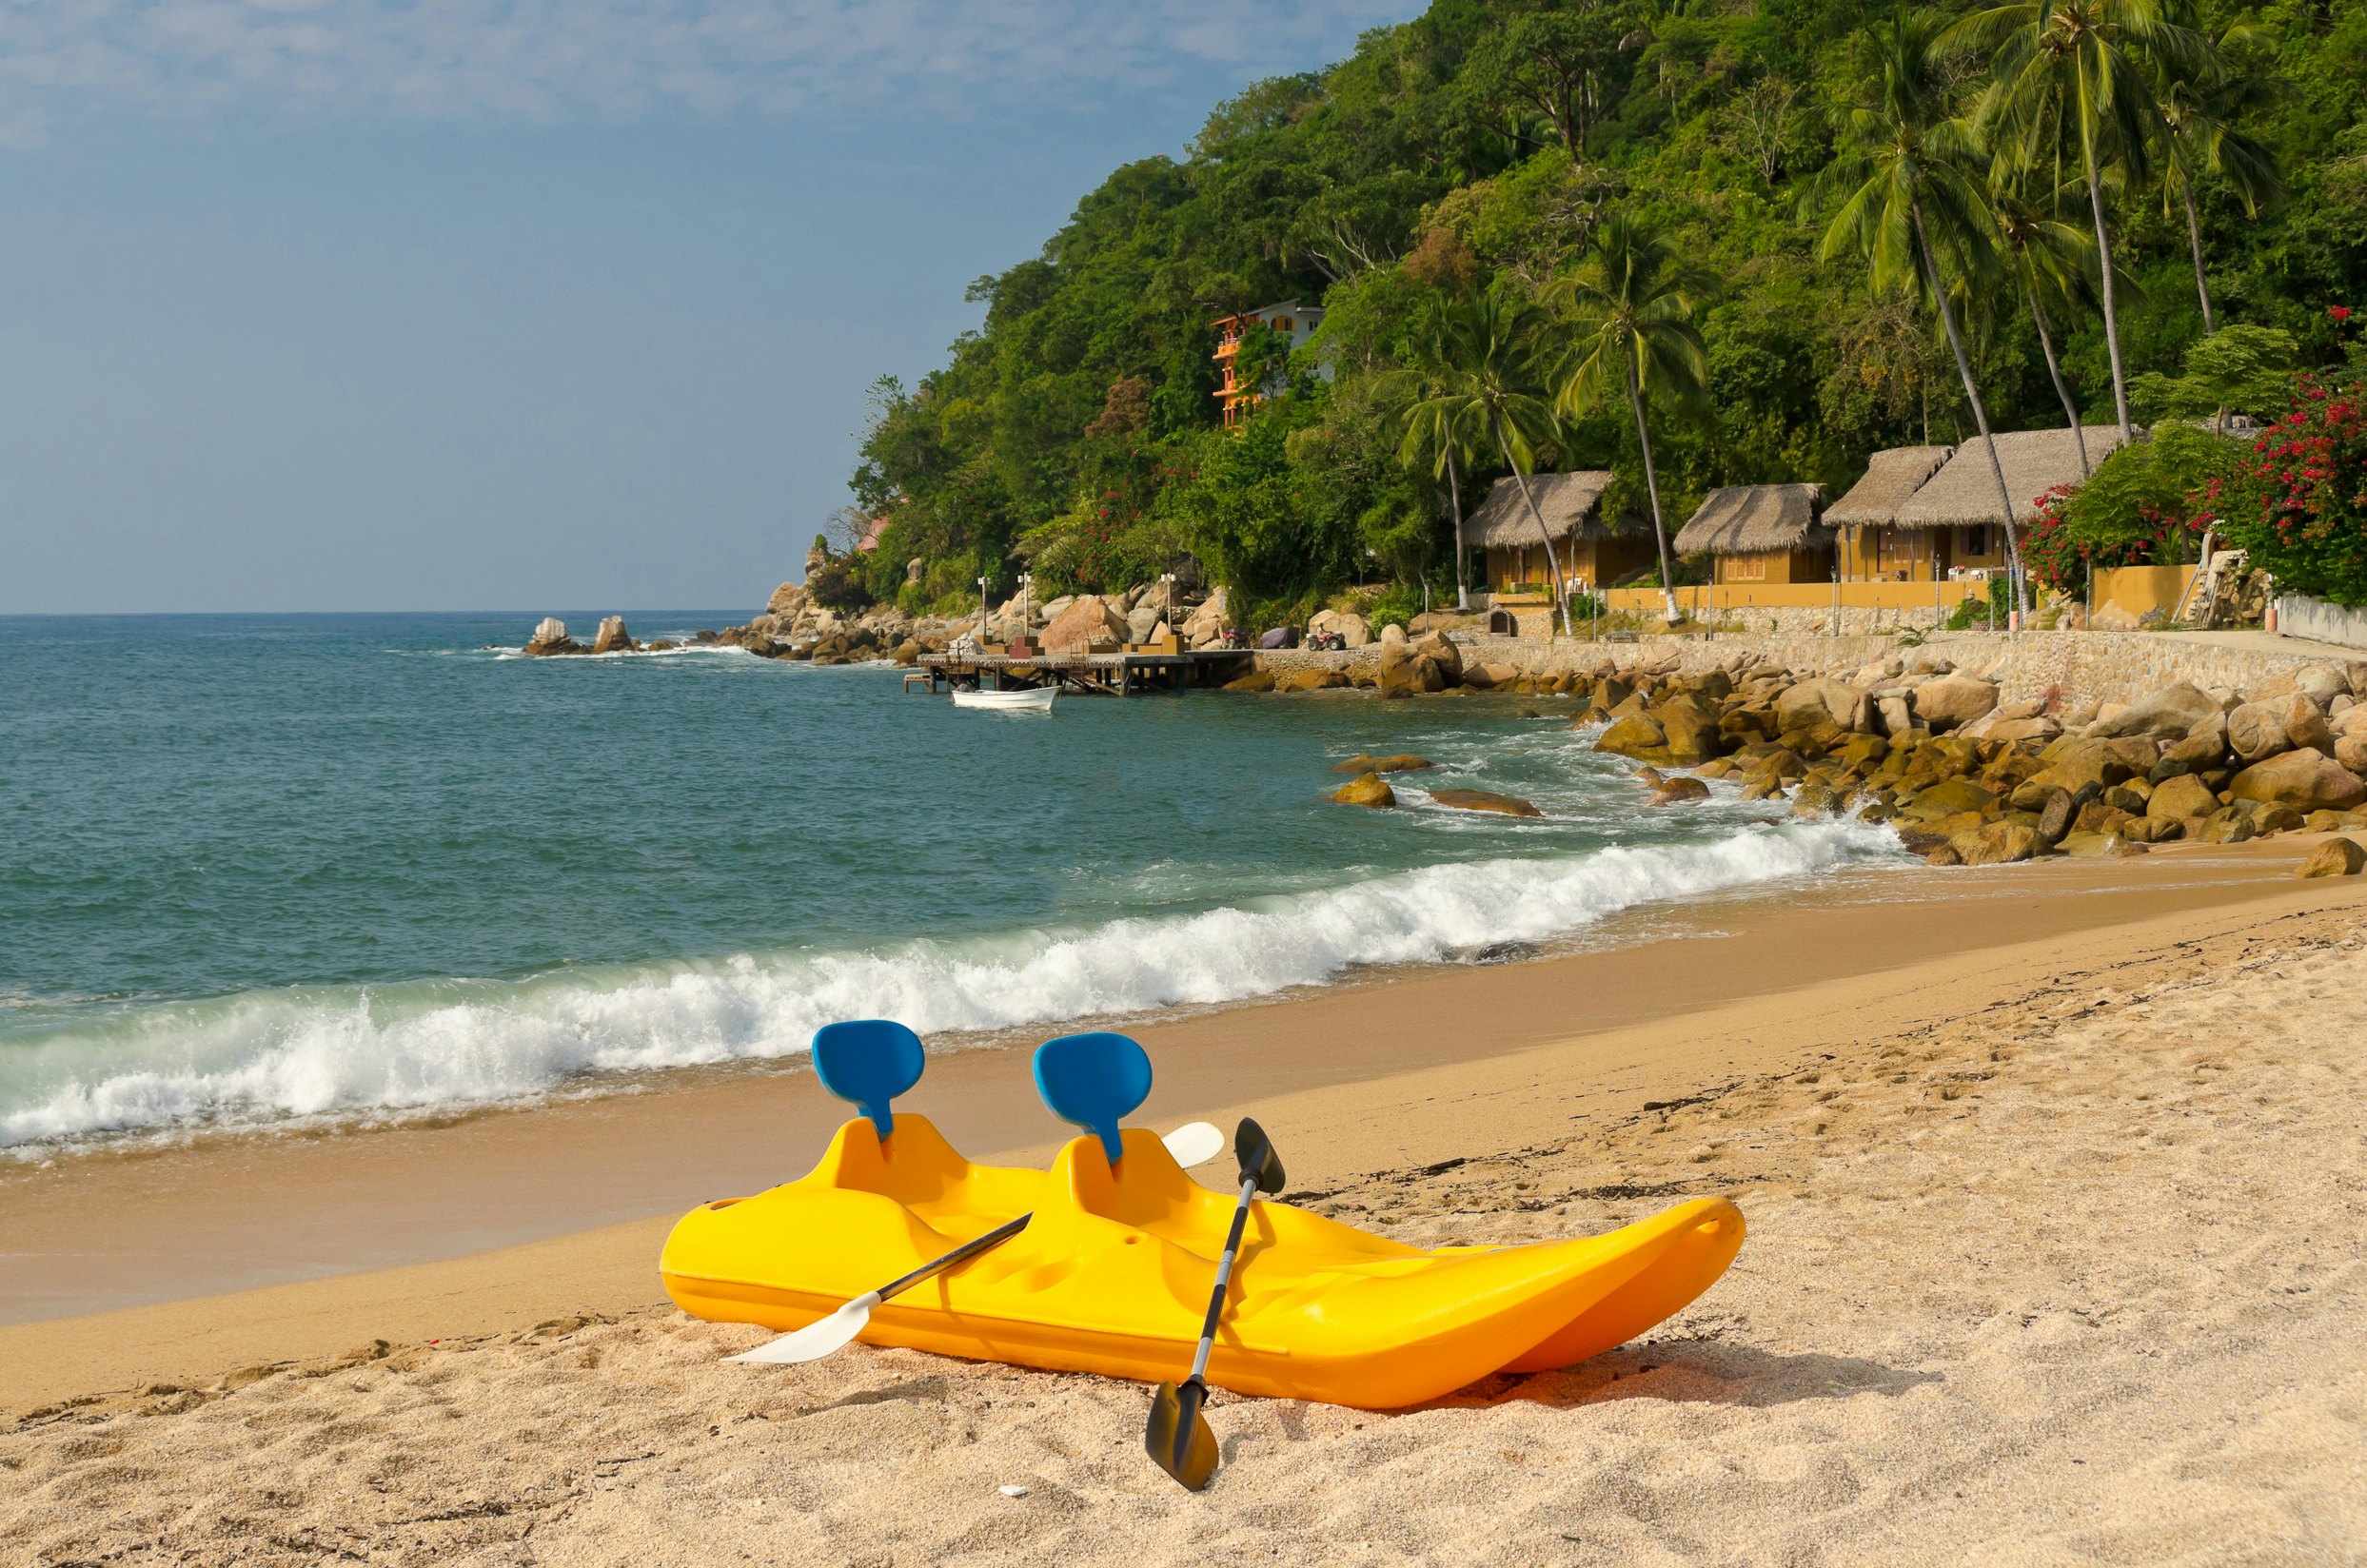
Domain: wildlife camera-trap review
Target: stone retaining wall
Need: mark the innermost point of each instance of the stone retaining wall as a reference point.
(2076, 666)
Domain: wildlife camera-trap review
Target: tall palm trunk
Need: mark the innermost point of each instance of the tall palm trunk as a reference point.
(1454, 497)
(1651, 486)
(2046, 346)
(2194, 239)
(2103, 261)
(1980, 413)
(1552, 561)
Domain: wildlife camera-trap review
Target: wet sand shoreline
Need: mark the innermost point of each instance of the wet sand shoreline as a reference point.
(259, 1248)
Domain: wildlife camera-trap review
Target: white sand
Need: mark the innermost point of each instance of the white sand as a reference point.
(2077, 1279)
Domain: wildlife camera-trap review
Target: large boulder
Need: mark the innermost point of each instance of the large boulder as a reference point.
(1485, 800)
(1949, 703)
(1638, 735)
(2322, 683)
(1086, 626)
(1142, 621)
(1354, 631)
(2073, 761)
(786, 601)
(2351, 750)
(1364, 789)
(2305, 723)
(613, 638)
(1440, 649)
(1996, 844)
(2335, 857)
(2308, 780)
(2182, 797)
(550, 636)
(2256, 730)
(2173, 711)
(1691, 730)
(1804, 705)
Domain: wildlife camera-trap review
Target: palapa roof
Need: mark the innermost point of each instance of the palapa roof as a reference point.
(1891, 477)
(1571, 503)
(1750, 520)
(1963, 492)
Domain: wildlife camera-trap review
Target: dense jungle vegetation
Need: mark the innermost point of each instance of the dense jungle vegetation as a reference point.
(1545, 232)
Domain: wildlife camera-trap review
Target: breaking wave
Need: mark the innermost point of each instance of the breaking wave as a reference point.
(313, 1052)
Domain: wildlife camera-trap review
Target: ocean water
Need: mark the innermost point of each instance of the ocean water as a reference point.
(261, 869)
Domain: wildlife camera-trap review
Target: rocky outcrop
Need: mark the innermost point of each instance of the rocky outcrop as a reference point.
(550, 636)
(1086, 626)
(614, 638)
(1485, 800)
(1364, 789)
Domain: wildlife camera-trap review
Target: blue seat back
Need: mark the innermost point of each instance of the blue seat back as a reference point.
(1095, 1081)
(869, 1061)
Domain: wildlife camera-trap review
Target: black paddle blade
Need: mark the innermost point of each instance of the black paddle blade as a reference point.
(1178, 1437)
(1255, 1152)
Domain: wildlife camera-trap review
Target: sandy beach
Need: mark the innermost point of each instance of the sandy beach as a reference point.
(2054, 1182)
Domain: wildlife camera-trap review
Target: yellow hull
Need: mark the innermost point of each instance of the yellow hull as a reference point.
(1112, 1274)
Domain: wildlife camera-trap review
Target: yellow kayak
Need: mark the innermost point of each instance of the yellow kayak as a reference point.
(1112, 1275)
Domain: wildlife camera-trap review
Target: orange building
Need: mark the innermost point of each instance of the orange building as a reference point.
(1296, 322)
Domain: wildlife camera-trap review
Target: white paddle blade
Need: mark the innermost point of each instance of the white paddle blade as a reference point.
(818, 1339)
(1194, 1143)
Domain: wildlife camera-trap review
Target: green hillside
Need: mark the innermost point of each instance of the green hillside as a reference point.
(1483, 151)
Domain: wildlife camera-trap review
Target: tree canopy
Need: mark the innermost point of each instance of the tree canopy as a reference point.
(1480, 150)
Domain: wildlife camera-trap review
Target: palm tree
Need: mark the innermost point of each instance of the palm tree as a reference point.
(1632, 304)
(2199, 136)
(2078, 69)
(1431, 436)
(2048, 260)
(1490, 396)
(1913, 175)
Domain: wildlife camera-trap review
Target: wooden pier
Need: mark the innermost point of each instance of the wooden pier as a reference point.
(1120, 673)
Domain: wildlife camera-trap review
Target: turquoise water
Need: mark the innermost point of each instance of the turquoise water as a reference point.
(263, 868)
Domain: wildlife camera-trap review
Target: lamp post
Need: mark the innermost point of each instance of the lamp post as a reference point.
(981, 614)
(1027, 580)
(1167, 593)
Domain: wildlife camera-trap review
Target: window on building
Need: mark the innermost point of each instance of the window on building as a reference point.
(1973, 541)
(1282, 324)
(1746, 568)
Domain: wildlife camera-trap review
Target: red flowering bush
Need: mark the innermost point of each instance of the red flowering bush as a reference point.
(2299, 499)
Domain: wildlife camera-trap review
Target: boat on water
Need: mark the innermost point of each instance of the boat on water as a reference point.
(1033, 699)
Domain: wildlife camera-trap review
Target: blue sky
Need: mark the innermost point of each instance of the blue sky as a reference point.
(308, 305)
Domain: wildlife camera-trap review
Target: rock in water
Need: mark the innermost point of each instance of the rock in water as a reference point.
(550, 636)
(1398, 762)
(2335, 857)
(1364, 789)
(613, 638)
(1675, 790)
(1485, 800)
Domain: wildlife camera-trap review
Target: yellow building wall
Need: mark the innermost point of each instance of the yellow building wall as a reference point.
(1774, 567)
(2141, 589)
(1804, 595)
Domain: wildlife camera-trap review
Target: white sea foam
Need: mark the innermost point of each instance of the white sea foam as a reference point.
(313, 1052)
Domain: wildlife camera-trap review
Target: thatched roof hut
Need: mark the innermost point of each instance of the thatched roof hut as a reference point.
(1750, 520)
(1963, 493)
(1891, 477)
(1571, 503)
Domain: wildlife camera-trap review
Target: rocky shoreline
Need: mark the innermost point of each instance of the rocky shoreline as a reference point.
(1935, 752)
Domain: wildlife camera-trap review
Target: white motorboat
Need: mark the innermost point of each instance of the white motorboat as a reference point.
(1033, 699)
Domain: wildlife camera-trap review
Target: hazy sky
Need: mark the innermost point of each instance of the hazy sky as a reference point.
(333, 304)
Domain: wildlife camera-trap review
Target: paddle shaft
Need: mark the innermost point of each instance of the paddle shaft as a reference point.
(1224, 1279)
(961, 1254)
